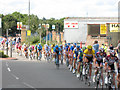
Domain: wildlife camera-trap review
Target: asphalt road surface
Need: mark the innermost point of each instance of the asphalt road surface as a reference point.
(37, 74)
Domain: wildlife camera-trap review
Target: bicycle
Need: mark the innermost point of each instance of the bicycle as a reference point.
(86, 76)
(109, 83)
(40, 56)
(57, 61)
(62, 59)
(98, 77)
(81, 70)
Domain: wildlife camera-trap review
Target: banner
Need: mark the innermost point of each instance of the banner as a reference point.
(114, 27)
(47, 26)
(103, 29)
(53, 26)
(28, 33)
(19, 25)
(0, 23)
(71, 24)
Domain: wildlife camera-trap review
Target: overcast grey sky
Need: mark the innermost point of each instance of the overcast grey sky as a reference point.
(62, 8)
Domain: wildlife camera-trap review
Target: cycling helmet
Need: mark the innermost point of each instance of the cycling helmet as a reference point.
(101, 50)
(78, 46)
(68, 44)
(89, 47)
(39, 44)
(112, 53)
(75, 44)
(56, 46)
(35, 45)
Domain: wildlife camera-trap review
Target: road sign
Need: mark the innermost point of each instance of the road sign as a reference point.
(43, 25)
(71, 24)
(114, 28)
(103, 29)
(47, 25)
(53, 26)
(19, 25)
(28, 32)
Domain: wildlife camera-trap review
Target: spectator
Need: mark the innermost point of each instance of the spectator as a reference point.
(96, 46)
(118, 49)
(111, 47)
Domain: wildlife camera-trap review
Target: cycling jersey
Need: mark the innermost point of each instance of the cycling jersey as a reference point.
(39, 47)
(89, 54)
(111, 62)
(80, 53)
(56, 51)
(100, 58)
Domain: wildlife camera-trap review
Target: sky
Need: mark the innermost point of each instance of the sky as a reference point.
(62, 8)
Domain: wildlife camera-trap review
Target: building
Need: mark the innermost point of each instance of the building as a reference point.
(88, 29)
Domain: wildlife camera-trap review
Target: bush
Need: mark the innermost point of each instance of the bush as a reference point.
(2, 55)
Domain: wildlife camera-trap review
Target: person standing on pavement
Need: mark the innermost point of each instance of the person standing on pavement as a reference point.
(96, 46)
(118, 49)
(111, 47)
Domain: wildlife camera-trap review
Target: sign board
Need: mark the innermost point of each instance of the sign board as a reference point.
(114, 27)
(19, 25)
(53, 26)
(71, 24)
(47, 25)
(0, 23)
(43, 25)
(103, 29)
(28, 32)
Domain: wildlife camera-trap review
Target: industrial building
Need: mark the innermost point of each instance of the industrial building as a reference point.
(89, 29)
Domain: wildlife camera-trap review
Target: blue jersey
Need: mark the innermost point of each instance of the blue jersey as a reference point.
(56, 51)
(39, 47)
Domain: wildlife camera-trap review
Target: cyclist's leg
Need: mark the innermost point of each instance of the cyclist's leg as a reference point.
(78, 68)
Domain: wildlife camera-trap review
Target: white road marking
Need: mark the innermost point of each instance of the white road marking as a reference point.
(15, 77)
(29, 86)
(9, 69)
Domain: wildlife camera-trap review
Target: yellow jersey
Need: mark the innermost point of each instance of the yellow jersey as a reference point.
(89, 54)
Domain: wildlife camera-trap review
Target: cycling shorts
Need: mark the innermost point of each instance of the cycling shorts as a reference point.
(90, 59)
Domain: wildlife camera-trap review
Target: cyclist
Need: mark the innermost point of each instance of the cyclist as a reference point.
(80, 59)
(98, 62)
(75, 56)
(71, 57)
(26, 51)
(39, 51)
(109, 65)
(57, 53)
(30, 51)
(67, 49)
(47, 51)
(118, 76)
(88, 57)
(35, 52)
(61, 53)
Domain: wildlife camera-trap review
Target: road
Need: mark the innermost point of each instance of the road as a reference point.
(23, 73)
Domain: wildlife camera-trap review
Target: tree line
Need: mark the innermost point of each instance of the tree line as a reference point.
(9, 21)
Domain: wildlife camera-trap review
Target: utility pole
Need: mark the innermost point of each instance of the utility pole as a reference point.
(29, 18)
(7, 41)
